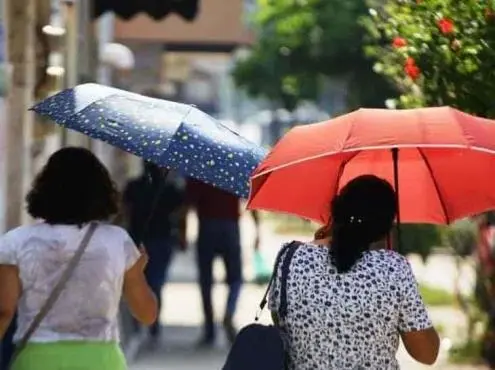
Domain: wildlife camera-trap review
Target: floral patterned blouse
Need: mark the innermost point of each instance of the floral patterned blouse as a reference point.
(88, 306)
(350, 320)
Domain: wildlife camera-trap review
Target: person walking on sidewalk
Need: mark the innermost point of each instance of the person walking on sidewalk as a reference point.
(80, 330)
(152, 207)
(348, 299)
(218, 213)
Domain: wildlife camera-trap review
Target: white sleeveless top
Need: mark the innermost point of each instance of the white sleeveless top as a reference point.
(88, 307)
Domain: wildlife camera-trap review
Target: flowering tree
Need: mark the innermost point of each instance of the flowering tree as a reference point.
(300, 43)
(438, 52)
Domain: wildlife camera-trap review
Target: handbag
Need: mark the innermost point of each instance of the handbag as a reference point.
(261, 347)
(55, 293)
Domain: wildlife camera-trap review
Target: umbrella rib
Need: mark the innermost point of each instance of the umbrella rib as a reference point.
(435, 183)
(341, 171)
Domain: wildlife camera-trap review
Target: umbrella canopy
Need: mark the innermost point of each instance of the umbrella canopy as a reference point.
(441, 160)
(172, 135)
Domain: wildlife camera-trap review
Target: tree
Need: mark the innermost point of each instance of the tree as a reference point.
(268, 72)
(420, 239)
(302, 42)
(437, 52)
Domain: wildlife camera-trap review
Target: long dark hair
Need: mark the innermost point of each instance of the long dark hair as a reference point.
(362, 213)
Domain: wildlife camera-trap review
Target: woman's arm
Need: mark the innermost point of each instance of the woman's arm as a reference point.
(138, 295)
(415, 327)
(422, 345)
(10, 291)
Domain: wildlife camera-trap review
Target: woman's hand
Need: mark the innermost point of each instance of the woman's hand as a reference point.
(323, 232)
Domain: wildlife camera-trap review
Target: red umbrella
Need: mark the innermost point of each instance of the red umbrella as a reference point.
(441, 161)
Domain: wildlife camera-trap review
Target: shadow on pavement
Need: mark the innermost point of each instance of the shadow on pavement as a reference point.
(176, 350)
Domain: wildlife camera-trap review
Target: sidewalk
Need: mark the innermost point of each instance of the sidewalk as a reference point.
(182, 311)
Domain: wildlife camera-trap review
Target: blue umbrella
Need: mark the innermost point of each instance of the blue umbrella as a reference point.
(172, 135)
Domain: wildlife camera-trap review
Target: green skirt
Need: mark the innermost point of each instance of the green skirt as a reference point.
(71, 356)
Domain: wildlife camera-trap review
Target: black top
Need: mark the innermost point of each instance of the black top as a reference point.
(140, 197)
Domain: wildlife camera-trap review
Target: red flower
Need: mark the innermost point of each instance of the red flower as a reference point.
(446, 26)
(399, 42)
(411, 69)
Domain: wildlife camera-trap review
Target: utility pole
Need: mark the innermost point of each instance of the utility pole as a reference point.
(115, 159)
(88, 43)
(3, 120)
(105, 33)
(72, 10)
(20, 16)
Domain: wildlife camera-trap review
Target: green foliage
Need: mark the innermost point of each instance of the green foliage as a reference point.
(462, 236)
(290, 225)
(268, 73)
(438, 52)
(433, 296)
(299, 42)
(466, 353)
(420, 239)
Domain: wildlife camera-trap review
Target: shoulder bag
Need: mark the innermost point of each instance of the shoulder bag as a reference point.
(261, 347)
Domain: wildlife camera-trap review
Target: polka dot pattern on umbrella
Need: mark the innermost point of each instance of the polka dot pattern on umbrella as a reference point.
(212, 153)
(172, 135)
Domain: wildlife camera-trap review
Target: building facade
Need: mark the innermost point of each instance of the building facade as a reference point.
(186, 61)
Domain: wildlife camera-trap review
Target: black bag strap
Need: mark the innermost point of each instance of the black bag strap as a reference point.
(282, 309)
(288, 250)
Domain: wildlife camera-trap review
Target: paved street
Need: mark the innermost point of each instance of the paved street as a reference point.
(182, 312)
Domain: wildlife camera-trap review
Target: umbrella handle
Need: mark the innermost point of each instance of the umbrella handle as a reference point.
(395, 158)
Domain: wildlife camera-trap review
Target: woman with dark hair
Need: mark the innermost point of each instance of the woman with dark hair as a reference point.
(80, 331)
(349, 299)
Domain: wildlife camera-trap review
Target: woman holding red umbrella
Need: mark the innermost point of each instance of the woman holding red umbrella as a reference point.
(439, 161)
(349, 300)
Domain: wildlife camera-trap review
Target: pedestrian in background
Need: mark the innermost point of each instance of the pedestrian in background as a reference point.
(153, 204)
(218, 214)
(72, 193)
